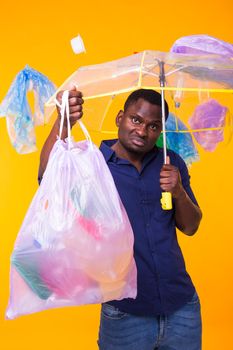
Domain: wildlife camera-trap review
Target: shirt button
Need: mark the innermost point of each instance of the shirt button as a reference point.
(147, 225)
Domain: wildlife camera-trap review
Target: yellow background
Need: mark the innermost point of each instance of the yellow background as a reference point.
(38, 34)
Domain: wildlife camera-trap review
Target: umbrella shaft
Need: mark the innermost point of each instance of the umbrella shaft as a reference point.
(162, 84)
(164, 128)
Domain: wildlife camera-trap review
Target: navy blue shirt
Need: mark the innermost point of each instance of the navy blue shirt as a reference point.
(163, 282)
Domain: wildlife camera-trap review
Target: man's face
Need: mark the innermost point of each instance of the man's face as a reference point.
(139, 126)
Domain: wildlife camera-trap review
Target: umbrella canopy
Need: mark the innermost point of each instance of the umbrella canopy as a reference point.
(143, 70)
(187, 80)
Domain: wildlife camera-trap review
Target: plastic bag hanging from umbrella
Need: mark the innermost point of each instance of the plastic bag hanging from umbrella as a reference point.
(161, 71)
(210, 112)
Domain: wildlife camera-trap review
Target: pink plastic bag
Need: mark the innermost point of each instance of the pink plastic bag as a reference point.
(76, 243)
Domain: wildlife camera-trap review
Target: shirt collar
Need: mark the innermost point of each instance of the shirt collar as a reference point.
(105, 148)
(109, 153)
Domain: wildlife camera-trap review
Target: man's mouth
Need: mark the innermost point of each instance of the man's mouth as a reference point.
(138, 142)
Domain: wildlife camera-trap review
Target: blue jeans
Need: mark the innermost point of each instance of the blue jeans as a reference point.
(179, 331)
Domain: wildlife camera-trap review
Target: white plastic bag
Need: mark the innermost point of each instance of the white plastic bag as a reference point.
(76, 243)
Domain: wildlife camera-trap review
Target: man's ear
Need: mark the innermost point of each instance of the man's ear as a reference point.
(119, 118)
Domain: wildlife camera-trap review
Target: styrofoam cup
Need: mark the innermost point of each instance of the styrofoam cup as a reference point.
(77, 45)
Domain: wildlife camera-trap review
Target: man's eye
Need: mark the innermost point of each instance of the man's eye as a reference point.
(135, 120)
(153, 127)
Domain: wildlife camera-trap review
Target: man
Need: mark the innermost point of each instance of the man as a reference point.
(166, 312)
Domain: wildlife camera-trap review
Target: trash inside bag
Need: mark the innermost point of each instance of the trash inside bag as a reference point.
(76, 243)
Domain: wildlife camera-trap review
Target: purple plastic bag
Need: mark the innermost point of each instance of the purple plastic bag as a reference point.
(202, 44)
(208, 115)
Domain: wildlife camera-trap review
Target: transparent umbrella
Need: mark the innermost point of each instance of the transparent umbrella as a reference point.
(183, 77)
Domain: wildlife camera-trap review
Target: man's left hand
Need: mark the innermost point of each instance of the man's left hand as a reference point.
(170, 180)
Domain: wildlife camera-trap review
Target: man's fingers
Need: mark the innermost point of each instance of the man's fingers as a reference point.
(167, 172)
(72, 87)
(59, 95)
(75, 116)
(72, 93)
(75, 104)
(74, 101)
(166, 188)
(167, 168)
(75, 93)
(76, 108)
(165, 180)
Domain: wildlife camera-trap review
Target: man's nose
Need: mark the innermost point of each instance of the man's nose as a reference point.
(142, 130)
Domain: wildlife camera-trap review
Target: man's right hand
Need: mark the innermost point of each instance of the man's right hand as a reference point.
(75, 105)
(76, 112)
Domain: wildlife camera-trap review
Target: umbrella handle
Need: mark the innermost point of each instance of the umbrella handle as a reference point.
(166, 200)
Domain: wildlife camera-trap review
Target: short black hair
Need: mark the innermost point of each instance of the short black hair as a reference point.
(148, 95)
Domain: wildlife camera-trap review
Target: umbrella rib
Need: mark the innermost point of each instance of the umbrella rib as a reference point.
(176, 121)
(174, 71)
(140, 72)
(103, 131)
(150, 73)
(106, 110)
(166, 74)
(114, 92)
(169, 131)
(196, 130)
(171, 88)
(166, 88)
